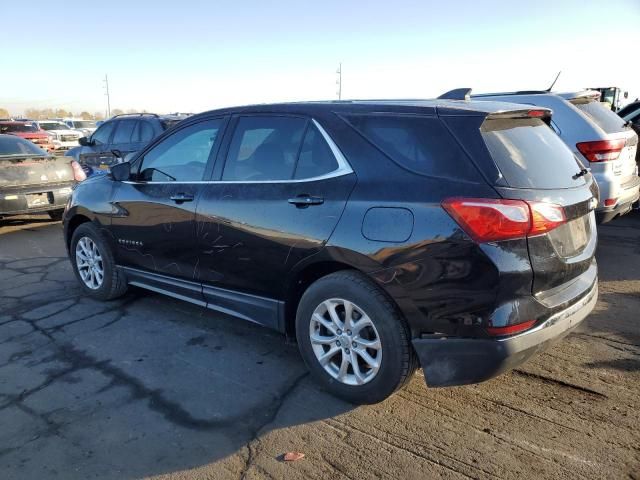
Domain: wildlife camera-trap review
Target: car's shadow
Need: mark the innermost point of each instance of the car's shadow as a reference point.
(155, 385)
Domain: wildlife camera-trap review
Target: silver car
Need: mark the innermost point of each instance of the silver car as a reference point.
(599, 138)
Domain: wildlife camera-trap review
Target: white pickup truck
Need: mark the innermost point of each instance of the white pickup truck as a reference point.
(62, 137)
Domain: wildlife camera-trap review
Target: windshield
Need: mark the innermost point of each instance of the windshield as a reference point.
(18, 127)
(605, 118)
(84, 124)
(53, 126)
(16, 146)
(526, 151)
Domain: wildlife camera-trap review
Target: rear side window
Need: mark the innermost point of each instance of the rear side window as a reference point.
(264, 148)
(124, 131)
(420, 144)
(143, 132)
(529, 154)
(602, 116)
(316, 158)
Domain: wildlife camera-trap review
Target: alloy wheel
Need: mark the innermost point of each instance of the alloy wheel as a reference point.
(89, 263)
(345, 341)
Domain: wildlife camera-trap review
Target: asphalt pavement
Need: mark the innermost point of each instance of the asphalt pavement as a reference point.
(148, 386)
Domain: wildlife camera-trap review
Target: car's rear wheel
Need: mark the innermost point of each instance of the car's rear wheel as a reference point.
(93, 264)
(353, 339)
(56, 214)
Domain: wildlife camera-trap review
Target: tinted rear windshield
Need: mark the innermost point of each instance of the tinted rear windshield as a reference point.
(605, 118)
(417, 143)
(18, 127)
(16, 146)
(530, 155)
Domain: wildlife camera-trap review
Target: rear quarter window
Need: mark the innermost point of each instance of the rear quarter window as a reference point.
(602, 116)
(420, 144)
(530, 155)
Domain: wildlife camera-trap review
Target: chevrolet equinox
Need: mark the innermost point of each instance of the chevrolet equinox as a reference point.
(456, 235)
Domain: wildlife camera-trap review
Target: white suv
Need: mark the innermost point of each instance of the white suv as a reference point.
(62, 137)
(87, 127)
(599, 138)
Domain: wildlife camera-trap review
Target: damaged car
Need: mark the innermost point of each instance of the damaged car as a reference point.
(33, 181)
(382, 235)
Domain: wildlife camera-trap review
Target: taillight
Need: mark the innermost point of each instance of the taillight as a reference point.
(491, 220)
(78, 173)
(510, 329)
(601, 150)
(545, 217)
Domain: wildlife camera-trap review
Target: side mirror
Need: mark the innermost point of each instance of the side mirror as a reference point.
(121, 171)
(84, 141)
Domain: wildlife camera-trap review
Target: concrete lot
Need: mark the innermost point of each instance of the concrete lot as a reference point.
(147, 386)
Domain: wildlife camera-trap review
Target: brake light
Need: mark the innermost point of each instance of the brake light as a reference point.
(537, 113)
(601, 150)
(510, 329)
(491, 220)
(78, 172)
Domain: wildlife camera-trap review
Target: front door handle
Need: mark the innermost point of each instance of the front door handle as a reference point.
(182, 197)
(303, 201)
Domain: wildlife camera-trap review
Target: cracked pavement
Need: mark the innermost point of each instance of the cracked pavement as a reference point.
(147, 386)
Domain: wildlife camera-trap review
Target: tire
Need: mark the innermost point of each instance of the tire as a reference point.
(395, 359)
(113, 283)
(56, 215)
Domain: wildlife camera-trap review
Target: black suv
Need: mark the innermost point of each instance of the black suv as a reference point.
(124, 134)
(455, 234)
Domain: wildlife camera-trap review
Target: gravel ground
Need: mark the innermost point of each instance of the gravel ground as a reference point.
(147, 386)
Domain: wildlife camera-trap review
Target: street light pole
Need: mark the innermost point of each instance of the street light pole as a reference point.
(339, 81)
(106, 84)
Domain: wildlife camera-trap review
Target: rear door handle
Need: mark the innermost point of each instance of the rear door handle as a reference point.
(302, 201)
(182, 197)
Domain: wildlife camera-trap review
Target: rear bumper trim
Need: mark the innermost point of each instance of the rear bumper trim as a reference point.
(461, 361)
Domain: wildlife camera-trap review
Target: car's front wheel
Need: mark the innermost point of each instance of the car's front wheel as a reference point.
(353, 339)
(94, 265)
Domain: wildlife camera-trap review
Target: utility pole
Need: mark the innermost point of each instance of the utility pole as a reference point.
(339, 81)
(106, 85)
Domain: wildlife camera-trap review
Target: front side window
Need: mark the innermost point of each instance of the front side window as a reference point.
(183, 156)
(124, 131)
(101, 136)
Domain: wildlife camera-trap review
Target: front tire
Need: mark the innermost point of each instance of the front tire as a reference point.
(353, 339)
(93, 264)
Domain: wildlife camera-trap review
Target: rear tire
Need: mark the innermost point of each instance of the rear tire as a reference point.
(93, 264)
(56, 214)
(381, 350)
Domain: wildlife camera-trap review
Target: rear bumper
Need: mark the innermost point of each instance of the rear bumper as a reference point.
(15, 201)
(626, 197)
(461, 361)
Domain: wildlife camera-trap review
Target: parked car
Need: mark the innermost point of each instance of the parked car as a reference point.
(29, 131)
(632, 118)
(31, 180)
(62, 137)
(377, 233)
(123, 133)
(597, 136)
(87, 127)
(629, 108)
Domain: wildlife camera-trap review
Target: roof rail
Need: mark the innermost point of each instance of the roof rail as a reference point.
(133, 115)
(457, 94)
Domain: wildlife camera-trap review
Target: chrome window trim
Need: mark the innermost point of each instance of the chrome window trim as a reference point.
(343, 169)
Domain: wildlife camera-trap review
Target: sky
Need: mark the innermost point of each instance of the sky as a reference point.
(191, 56)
